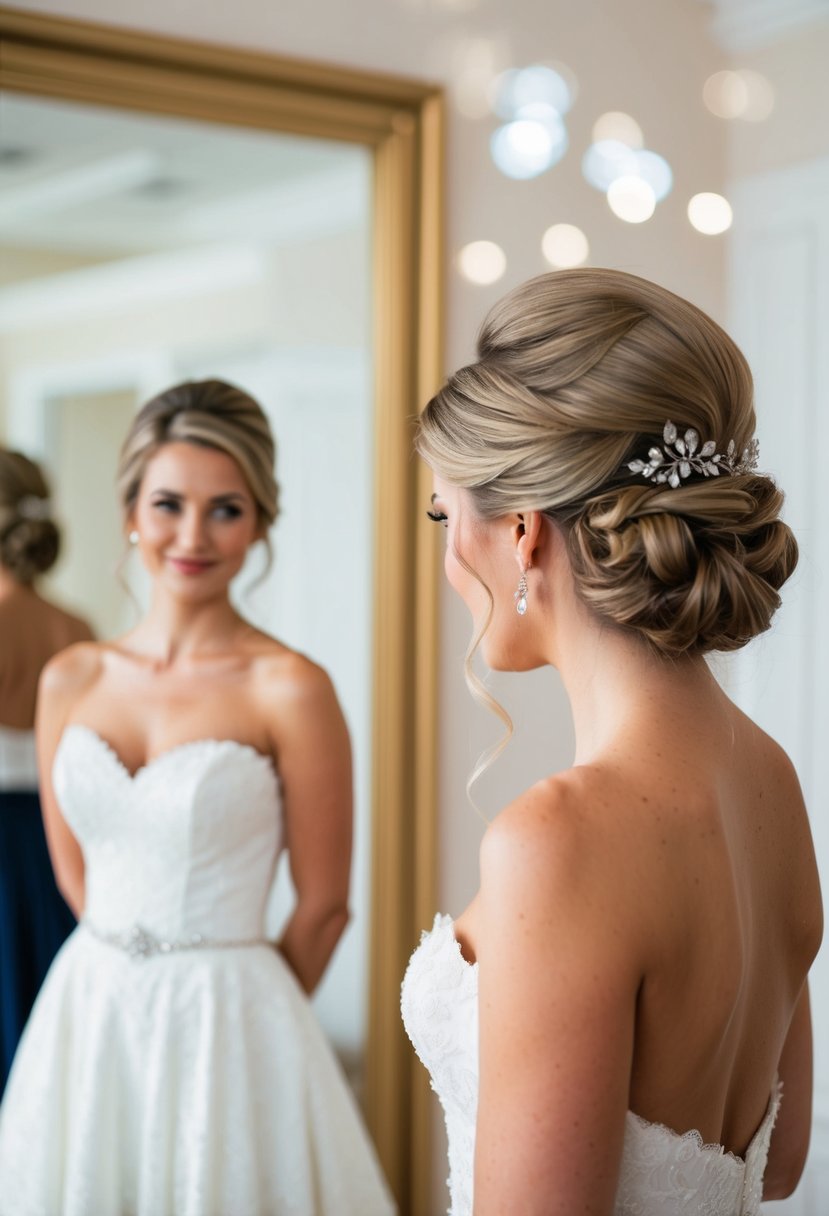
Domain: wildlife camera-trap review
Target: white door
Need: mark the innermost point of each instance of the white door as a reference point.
(779, 313)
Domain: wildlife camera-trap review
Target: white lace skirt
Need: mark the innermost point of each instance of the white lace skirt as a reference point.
(192, 1084)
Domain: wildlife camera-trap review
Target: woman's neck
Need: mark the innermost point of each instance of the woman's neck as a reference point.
(10, 586)
(174, 630)
(615, 683)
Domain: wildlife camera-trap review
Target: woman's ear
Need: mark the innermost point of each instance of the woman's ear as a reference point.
(528, 537)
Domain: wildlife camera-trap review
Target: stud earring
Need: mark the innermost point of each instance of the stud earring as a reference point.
(133, 537)
(520, 596)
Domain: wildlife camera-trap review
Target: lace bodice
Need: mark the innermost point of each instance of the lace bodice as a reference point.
(662, 1173)
(187, 845)
(179, 1070)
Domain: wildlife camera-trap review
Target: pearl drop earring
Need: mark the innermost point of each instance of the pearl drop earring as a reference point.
(133, 537)
(520, 596)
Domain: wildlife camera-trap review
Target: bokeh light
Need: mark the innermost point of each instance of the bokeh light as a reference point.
(617, 125)
(527, 147)
(534, 85)
(565, 245)
(656, 171)
(710, 214)
(482, 262)
(631, 199)
(606, 160)
(739, 94)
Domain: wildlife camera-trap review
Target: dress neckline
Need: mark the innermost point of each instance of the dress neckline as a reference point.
(443, 920)
(163, 756)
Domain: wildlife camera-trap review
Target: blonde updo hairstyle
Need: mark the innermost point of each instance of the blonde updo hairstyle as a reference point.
(211, 414)
(29, 537)
(577, 373)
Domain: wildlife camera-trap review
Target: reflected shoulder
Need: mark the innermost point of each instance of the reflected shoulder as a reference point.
(284, 674)
(72, 669)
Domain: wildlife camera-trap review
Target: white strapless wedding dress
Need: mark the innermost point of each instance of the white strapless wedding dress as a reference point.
(172, 1065)
(662, 1173)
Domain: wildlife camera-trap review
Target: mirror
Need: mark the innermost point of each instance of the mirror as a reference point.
(190, 215)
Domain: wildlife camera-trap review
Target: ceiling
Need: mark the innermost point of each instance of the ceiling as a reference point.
(97, 183)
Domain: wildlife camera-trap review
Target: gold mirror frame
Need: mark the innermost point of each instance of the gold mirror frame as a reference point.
(402, 122)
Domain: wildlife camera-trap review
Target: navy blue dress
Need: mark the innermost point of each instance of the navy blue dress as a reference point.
(34, 919)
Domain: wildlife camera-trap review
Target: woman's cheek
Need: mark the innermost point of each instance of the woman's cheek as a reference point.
(455, 574)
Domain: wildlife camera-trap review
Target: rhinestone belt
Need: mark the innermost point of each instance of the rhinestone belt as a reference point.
(138, 942)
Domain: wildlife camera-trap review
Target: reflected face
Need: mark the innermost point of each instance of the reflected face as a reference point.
(488, 547)
(195, 518)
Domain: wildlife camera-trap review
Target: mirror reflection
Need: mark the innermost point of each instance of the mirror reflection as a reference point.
(131, 265)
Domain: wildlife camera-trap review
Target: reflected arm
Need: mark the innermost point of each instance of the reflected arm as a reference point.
(61, 682)
(314, 760)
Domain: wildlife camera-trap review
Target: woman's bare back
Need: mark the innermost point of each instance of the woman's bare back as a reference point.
(735, 912)
(703, 843)
(32, 631)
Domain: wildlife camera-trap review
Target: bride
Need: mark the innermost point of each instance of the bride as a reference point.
(172, 1065)
(610, 1023)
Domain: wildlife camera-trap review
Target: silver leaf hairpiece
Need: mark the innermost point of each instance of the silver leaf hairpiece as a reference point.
(681, 456)
(32, 506)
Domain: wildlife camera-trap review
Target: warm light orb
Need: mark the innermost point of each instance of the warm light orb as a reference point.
(710, 214)
(739, 94)
(617, 125)
(565, 245)
(725, 94)
(482, 262)
(631, 199)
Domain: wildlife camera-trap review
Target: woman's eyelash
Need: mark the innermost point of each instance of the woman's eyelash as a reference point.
(227, 510)
(437, 517)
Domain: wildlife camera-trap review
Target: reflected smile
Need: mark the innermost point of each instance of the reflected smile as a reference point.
(190, 565)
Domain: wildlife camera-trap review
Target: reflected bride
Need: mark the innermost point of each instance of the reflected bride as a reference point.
(172, 1063)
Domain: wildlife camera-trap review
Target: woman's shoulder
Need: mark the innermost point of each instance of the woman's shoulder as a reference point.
(557, 866)
(564, 831)
(586, 842)
(558, 812)
(73, 668)
(280, 673)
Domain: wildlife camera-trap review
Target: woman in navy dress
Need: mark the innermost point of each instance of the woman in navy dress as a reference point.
(34, 920)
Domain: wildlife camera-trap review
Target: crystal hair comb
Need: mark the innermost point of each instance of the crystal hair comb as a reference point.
(681, 456)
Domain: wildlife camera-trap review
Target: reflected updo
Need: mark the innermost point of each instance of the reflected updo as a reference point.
(29, 537)
(578, 371)
(212, 414)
